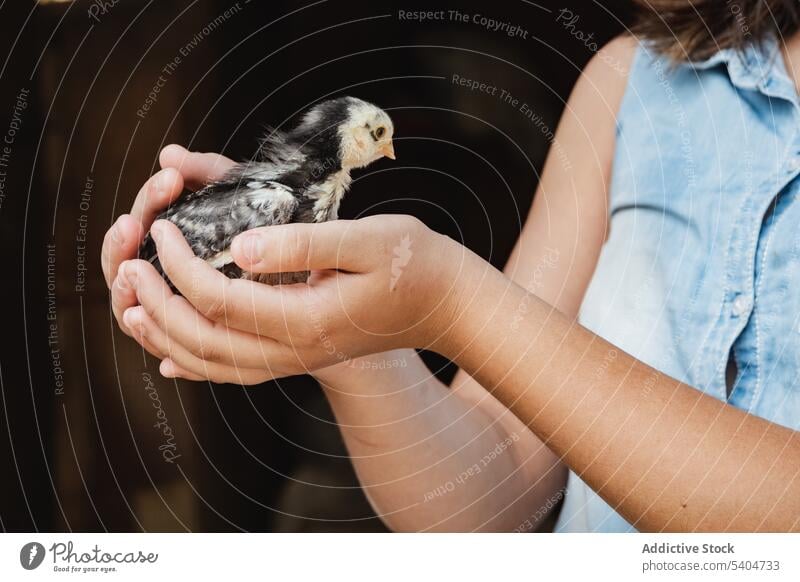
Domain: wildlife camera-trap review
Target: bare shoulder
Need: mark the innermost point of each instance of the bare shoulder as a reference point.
(621, 48)
(606, 74)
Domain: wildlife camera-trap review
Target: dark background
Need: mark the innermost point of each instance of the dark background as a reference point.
(269, 458)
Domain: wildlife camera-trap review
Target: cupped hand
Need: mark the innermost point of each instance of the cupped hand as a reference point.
(179, 168)
(377, 283)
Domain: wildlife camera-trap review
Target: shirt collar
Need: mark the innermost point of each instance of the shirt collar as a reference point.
(758, 66)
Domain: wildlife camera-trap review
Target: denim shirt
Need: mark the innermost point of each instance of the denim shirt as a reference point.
(702, 262)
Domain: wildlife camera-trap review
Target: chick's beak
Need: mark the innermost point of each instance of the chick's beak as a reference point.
(388, 150)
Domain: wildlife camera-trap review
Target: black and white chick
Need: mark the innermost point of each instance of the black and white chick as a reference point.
(297, 176)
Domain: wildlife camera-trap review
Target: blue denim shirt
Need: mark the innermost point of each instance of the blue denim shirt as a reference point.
(703, 256)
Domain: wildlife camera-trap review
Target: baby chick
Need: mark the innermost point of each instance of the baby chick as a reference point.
(298, 176)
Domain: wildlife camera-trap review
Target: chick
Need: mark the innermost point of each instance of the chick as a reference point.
(297, 176)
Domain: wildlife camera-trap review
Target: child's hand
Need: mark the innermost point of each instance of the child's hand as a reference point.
(121, 243)
(377, 283)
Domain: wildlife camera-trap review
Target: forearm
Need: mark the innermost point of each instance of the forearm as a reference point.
(665, 455)
(429, 459)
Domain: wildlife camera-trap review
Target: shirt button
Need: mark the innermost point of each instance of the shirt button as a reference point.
(793, 165)
(740, 306)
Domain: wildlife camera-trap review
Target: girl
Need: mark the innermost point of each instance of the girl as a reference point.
(638, 357)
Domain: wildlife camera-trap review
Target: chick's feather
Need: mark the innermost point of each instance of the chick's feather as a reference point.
(296, 177)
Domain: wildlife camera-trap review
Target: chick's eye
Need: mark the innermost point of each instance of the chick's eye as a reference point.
(380, 132)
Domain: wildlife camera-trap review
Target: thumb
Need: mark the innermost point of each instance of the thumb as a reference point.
(285, 248)
(196, 168)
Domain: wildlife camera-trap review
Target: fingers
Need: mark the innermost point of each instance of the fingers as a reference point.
(156, 195)
(121, 243)
(202, 338)
(339, 244)
(243, 305)
(123, 297)
(137, 334)
(123, 239)
(170, 369)
(145, 330)
(180, 167)
(197, 169)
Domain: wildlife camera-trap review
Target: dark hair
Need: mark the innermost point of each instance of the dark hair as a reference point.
(696, 29)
